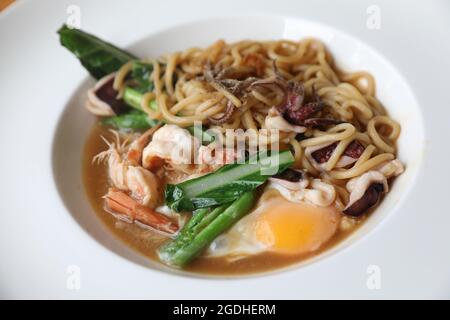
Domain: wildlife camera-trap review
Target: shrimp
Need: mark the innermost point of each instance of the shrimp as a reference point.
(127, 209)
(212, 156)
(141, 183)
(134, 154)
(170, 144)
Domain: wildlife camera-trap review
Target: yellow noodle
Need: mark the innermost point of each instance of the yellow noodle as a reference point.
(359, 170)
(184, 97)
(376, 137)
(145, 105)
(339, 132)
(170, 69)
(119, 78)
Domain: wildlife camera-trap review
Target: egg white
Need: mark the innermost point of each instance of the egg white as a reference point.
(253, 234)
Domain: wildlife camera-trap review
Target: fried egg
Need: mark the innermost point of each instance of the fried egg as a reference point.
(279, 226)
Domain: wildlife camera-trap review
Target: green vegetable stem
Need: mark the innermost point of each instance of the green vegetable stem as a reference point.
(202, 229)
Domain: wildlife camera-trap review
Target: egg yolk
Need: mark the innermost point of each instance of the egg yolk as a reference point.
(295, 228)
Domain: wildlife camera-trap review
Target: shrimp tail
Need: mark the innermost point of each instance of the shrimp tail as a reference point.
(118, 202)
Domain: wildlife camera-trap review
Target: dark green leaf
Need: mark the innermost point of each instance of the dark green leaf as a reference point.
(100, 58)
(135, 120)
(226, 184)
(140, 75)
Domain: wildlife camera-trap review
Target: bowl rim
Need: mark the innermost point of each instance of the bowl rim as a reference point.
(341, 247)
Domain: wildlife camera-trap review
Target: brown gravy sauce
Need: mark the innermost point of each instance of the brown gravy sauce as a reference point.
(146, 242)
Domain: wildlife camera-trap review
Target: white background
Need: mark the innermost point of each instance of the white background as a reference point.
(412, 251)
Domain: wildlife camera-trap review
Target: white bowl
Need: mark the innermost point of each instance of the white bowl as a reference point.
(350, 54)
(49, 235)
